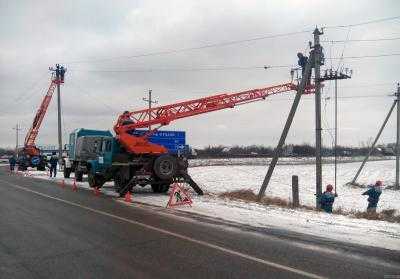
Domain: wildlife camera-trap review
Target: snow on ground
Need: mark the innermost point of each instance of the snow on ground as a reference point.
(217, 179)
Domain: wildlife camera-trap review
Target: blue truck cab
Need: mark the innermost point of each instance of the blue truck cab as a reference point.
(88, 147)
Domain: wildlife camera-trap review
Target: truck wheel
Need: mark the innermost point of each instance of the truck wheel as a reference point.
(79, 176)
(67, 172)
(165, 167)
(95, 180)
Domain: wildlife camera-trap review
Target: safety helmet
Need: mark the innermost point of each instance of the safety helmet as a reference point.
(378, 183)
(329, 188)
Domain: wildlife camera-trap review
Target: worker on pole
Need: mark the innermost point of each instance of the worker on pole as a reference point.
(302, 63)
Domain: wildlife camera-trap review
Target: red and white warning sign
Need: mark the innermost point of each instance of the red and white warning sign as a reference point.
(178, 196)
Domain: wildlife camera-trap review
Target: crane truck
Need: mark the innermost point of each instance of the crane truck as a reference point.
(30, 155)
(130, 158)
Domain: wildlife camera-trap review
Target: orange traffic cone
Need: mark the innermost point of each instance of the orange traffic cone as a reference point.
(74, 187)
(96, 191)
(128, 197)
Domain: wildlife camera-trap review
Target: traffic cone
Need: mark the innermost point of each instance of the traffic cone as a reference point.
(74, 187)
(96, 191)
(128, 197)
(62, 183)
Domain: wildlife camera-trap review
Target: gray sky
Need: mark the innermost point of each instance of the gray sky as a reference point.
(85, 34)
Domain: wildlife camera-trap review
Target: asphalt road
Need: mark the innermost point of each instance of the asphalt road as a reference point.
(50, 232)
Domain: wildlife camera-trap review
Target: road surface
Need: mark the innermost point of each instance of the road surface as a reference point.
(50, 232)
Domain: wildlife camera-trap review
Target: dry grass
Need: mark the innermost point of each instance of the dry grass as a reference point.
(248, 195)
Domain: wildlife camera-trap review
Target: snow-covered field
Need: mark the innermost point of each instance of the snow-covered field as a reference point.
(217, 179)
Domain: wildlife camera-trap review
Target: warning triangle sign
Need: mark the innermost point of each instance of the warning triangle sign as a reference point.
(178, 196)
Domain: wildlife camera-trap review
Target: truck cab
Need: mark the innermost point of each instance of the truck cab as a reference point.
(86, 148)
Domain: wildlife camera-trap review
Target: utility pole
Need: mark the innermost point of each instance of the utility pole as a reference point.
(17, 128)
(278, 150)
(336, 134)
(397, 186)
(59, 79)
(318, 129)
(150, 102)
(60, 148)
(375, 141)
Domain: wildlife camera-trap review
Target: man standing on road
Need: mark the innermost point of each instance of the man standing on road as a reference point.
(53, 164)
(12, 162)
(327, 199)
(374, 192)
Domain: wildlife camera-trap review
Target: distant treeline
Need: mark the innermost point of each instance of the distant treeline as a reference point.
(297, 150)
(6, 151)
(292, 150)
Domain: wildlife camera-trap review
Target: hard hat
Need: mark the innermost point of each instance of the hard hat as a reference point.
(378, 183)
(329, 187)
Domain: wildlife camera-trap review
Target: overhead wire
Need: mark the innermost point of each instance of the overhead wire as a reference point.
(216, 68)
(31, 90)
(172, 51)
(91, 96)
(363, 23)
(221, 44)
(360, 40)
(343, 50)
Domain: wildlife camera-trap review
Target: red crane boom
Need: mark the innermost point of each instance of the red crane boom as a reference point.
(30, 137)
(163, 115)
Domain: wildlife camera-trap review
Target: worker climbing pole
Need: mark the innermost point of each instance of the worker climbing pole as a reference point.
(306, 64)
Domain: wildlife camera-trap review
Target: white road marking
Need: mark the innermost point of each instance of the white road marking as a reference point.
(176, 235)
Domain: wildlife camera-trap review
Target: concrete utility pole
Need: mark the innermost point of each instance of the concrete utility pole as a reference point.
(318, 129)
(59, 72)
(150, 102)
(17, 128)
(278, 149)
(374, 143)
(397, 186)
(60, 147)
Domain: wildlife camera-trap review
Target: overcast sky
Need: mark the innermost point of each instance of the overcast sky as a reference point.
(102, 36)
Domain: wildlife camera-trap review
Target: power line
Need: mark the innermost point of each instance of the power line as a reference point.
(361, 40)
(172, 51)
(366, 56)
(235, 42)
(363, 23)
(90, 96)
(222, 68)
(328, 98)
(216, 68)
